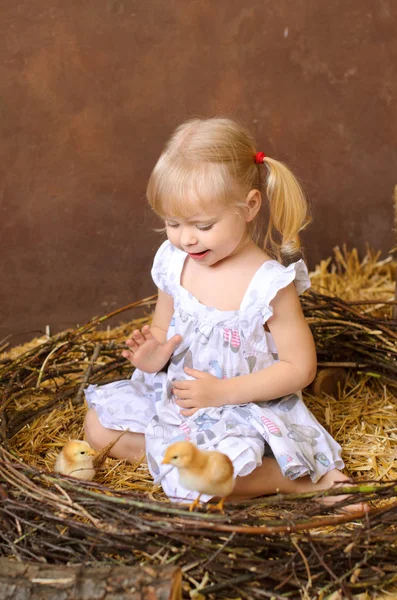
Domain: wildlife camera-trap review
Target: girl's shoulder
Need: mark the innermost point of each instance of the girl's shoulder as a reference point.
(269, 279)
(167, 267)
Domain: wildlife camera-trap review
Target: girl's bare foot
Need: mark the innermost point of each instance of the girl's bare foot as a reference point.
(268, 479)
(335, 479)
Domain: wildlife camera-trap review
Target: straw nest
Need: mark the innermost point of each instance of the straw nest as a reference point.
(288, 544)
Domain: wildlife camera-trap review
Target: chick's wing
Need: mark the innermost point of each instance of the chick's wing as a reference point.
(220, 467)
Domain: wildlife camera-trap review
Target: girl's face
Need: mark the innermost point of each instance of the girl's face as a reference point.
(210, 236)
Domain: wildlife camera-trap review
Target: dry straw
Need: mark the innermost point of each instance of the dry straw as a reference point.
(288, 544)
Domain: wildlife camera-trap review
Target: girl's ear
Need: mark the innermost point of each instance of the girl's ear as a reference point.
(253, 204)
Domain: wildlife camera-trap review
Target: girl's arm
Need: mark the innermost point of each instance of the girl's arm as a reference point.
(162, 316)
(296, 351)
(148, 349)
(295, 370)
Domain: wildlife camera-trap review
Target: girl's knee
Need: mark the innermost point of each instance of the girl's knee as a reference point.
(95, 433)
(131, 446)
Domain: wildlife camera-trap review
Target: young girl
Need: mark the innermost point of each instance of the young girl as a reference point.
(229, 348)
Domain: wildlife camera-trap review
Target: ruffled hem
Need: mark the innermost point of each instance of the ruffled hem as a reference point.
(245, 458)
(286, 431)
(127, 415)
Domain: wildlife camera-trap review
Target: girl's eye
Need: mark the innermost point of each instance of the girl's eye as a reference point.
(205, 227)
(172, 224)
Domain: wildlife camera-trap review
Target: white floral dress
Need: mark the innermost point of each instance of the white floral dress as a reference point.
(225, 344)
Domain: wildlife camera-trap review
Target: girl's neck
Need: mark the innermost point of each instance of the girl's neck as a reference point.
(246, 250)
(223, 286)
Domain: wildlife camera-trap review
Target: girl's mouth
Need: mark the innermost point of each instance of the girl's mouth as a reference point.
(198, 255)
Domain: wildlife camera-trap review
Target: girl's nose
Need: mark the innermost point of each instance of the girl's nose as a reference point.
(188, 237)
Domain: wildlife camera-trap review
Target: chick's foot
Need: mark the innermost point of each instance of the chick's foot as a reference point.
(217, 507)
(195, 503)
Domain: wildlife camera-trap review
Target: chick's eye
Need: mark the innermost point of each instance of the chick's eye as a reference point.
(82, 452)
(174, 457)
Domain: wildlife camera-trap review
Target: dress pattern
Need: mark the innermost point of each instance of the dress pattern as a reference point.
(225, 344)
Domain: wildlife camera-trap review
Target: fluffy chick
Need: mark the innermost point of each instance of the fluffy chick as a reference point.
(203, 471)
(76, 460)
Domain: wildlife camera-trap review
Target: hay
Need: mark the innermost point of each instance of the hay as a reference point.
(281, 542)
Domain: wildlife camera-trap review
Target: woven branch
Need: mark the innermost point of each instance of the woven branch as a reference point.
(81, 522)
(290, 544)
(342, 334)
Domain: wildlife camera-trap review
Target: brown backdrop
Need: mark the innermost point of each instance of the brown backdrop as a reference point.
(91, 90)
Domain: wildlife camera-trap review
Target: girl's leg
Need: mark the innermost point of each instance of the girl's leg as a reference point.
(268, 479)
(131, 446)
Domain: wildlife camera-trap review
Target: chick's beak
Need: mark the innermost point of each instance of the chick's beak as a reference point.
(91, 452)
(165, 461)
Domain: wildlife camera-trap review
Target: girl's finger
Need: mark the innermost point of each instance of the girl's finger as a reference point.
(188, 412)
(195, 373)
(182, 394)
(131, 343)
(173, 343)
(138, 337)
(147, 332)
(181, 385)
(183, 400)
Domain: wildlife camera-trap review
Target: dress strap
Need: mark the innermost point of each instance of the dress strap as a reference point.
(270, 278)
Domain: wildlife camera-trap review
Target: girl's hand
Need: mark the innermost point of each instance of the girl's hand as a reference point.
(203, 391)
(146, 352)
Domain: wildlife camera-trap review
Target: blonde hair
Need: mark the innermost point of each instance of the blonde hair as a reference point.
(213, 160)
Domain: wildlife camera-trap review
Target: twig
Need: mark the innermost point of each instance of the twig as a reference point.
(100, 458)
(229, 539)
(53, 351)
(77, 399)
(305, 562)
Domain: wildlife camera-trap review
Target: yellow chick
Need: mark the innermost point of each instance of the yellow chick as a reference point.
(76, 460)
(203, 471)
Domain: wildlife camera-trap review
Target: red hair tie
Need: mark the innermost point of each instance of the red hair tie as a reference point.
(259, 156)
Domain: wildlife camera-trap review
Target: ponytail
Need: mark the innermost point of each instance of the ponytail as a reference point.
(215, 160)
(289, 212)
